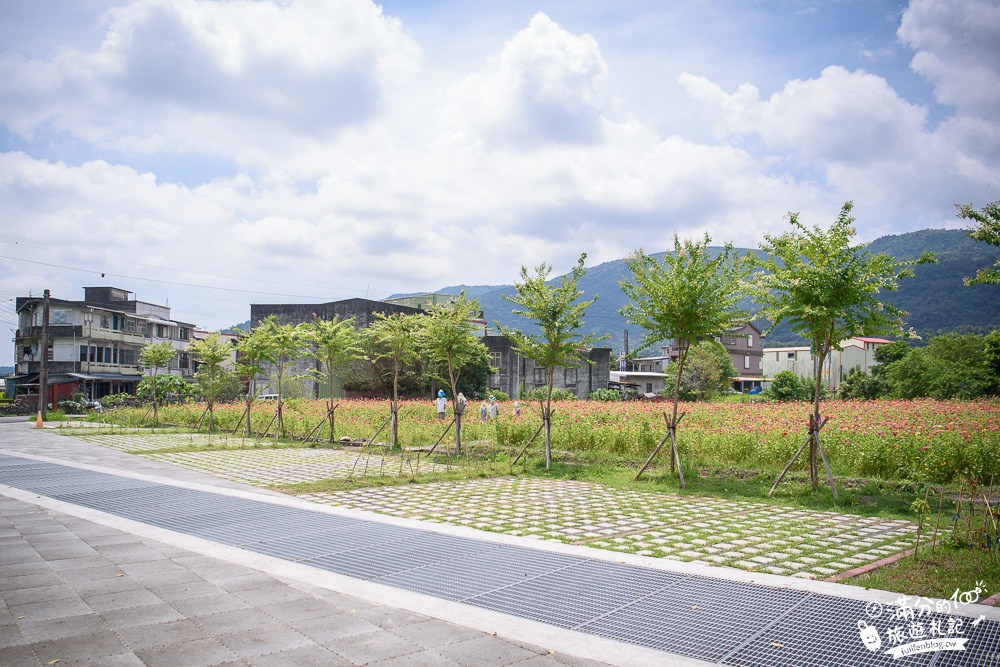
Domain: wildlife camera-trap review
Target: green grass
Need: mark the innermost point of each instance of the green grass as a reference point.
(936, 574)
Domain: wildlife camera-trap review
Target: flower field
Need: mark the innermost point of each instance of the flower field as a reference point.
(926, 440)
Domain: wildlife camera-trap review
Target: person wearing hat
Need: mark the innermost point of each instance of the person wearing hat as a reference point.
(442, 404)
(494, 408)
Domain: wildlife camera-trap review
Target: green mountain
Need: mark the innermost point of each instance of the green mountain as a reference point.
(935, 297)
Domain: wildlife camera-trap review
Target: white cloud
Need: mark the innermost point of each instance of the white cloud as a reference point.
(840, 117)
(957, 44)
(207, 76)
(541, 90)
(456, 172)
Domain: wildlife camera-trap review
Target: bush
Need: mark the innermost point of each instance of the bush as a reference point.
(787, 386)
(558, 394)
(605, 395)
(114, 399)
(859, 384)
(166, 384)
(499, 395)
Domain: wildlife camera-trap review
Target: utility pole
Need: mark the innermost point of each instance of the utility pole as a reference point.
(43, 375)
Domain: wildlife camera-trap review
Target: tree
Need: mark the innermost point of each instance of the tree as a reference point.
(828, 290)
(707, 371)
(153, 356)
(254, 349)
(394, 338)
(987, 230)
(685, 297)
(211, 353)
(284, 344)
(992, 358)
(335, 348)
(558, 312)
(447, 336)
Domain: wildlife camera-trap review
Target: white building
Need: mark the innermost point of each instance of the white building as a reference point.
(855, 353)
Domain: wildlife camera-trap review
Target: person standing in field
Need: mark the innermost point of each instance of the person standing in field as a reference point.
(494, 407)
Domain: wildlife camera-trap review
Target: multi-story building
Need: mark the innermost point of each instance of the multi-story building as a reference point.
(745, 348)
(94, 344)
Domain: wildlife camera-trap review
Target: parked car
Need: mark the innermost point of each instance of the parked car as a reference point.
(267, 397)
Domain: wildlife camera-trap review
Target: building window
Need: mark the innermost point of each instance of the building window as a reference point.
(83, 353)
(93, 353)
(183, 363)
(496, 361)
(749, 340)
(791, 355)
(732, 340)
(538, 376)
(105, 322)
(746, 361)
(571, 376)
(184, 334)
(649, 387)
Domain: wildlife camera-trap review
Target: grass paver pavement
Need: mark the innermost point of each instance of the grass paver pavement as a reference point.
(748, 535)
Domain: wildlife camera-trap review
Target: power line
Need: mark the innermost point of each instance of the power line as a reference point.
(157, 268)
(164, 282)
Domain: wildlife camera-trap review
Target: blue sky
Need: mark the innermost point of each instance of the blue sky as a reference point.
(221, 153)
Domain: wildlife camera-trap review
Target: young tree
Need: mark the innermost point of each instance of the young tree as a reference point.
(987, 230)
(686, 297)
(447, 336)
(335, 348)
(153, 356)
(286, 342)
(254, 349)
(211, 353)
(558, 312)
(394, 338)
(828, 290)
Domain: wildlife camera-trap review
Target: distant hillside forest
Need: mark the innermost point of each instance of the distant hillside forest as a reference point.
(936, 298)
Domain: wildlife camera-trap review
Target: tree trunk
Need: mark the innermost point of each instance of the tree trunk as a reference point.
(682, 348)
(547, 419)
(156, 415)
(814, 422)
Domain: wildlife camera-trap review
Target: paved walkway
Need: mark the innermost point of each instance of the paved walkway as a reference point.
(746, 535)
(664, 606)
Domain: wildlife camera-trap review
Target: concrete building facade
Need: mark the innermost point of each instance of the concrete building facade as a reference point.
(363, 311)
(855, 353)
(516, 373)
(94, 344)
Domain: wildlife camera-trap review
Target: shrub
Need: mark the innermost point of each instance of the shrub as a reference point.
(787, 386)
(605, 395)
(558, 394)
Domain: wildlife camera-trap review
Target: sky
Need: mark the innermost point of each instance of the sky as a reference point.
(210, 155)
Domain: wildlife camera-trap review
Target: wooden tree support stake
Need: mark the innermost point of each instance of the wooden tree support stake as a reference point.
(530, 440)
(447, 428)
(813, 436)
(675, 457)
